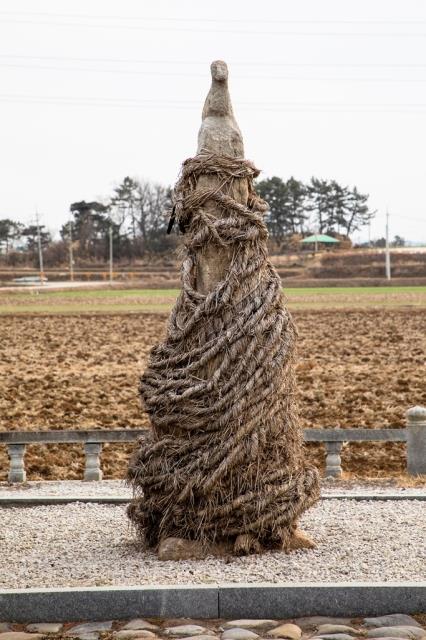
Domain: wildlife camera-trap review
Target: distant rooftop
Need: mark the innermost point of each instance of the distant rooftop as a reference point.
(320, 238)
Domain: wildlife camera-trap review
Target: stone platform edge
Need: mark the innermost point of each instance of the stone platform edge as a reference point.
(38, 501)
(261, 600)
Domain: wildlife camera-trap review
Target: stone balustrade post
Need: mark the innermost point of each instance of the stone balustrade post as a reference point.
(333, 461)
(17, 463)
(92, 469)
(416, 441)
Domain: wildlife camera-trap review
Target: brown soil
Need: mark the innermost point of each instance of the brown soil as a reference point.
(355, 369)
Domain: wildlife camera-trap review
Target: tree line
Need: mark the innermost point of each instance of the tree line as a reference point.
(137, 214)
(320, 206)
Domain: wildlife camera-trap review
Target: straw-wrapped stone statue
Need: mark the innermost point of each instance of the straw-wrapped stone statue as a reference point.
(224, 469)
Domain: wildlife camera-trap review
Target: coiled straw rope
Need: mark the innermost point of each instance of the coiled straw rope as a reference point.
(226, 455)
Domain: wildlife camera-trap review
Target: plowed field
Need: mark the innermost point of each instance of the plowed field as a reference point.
(355, 369)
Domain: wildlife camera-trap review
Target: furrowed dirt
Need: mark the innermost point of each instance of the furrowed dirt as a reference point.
(355, 369)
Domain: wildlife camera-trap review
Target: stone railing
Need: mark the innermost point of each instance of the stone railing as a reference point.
(414, 435)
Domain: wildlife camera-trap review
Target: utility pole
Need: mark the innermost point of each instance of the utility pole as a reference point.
(71, 254)
(40, 252)
(110, 254)
(388, 264)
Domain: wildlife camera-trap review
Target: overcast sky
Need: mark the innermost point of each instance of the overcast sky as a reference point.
(94, 90)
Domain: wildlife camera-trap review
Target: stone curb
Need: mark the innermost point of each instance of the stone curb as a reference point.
(34, 501)
(350, 599)
(107, 603)
(260, 600)
(373, 496)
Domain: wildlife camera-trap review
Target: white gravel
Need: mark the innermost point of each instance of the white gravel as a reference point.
(65, 488)
(118, 488)
(92, 544)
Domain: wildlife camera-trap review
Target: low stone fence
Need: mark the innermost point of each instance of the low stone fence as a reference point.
(414, 434)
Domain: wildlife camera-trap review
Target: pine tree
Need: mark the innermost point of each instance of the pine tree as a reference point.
(124, 204)
(275, 192)
(9, 231)
(359, 214)
(338, 207)
(296, 205)
(320, 202)
(90, 228)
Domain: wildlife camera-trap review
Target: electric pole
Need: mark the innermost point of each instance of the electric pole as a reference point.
(71, 254)
(388, 264)
(110, 254)
(40, 252)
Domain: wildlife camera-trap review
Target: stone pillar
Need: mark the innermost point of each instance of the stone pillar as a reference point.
(92, 470)
(333, 461)
(416, 440)
(17, 464)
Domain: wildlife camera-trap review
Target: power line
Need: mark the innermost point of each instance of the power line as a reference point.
(191, 104)
(215, 20)
(246, 32)
(106, 99)
(203, 75)
(117, 71)
(203, 63)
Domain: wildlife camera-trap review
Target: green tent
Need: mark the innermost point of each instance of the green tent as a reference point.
(320, 238)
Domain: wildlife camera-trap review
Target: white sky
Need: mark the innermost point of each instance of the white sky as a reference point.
(94, 90)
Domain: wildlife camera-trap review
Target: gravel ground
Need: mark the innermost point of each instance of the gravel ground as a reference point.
(118, 488)
(92, 544)
(65, 488)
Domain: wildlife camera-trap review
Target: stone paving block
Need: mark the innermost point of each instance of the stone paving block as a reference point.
(334, 636)
(392, 620)
(130, 634)
(336, 628)
(289, 630)
(239, 634)
(384, 638)
(202, 637)
(316, 621)
(411, 633)
(185, 630)
(20, 635)
(253, 625)
(44, 627)
(89, 627)
(139, 623)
